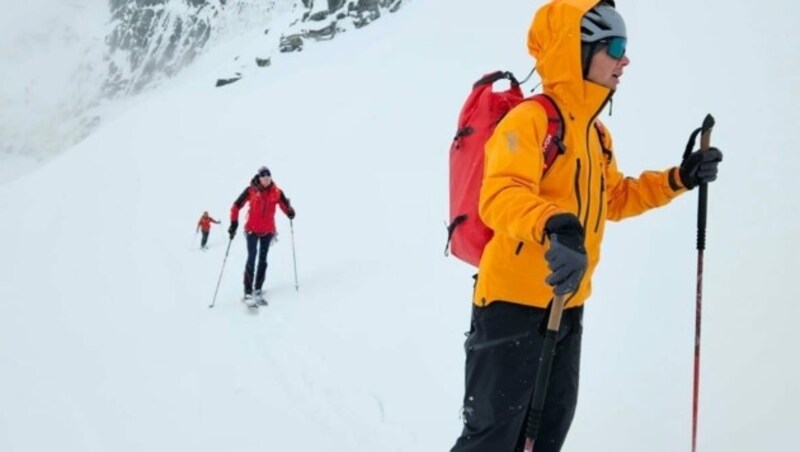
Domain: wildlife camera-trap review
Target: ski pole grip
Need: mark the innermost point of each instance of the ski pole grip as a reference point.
(702, 206)
(554, 322)
(705, 135)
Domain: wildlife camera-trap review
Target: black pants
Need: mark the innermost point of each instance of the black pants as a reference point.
(260, 244)
(503, 349)
(205, 239)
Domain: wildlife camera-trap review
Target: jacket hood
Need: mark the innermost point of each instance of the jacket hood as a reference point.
(256, 183)
(554, 40)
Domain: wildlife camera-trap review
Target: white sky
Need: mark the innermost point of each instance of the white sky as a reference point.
(106, 341)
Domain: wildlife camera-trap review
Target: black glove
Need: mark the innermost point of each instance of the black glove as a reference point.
(567, 256)
(232, 229)
(700, 167)
(290, 213)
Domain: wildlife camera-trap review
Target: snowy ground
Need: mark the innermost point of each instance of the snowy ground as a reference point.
(107, 343)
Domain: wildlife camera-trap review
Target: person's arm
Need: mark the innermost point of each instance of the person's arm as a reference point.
(628, 196)
(237, 205)
(286, 205)
(509, 200)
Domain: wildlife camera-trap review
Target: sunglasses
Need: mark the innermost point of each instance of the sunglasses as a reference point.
(615, 47)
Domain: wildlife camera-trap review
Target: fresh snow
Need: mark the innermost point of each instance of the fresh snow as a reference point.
(107, 342)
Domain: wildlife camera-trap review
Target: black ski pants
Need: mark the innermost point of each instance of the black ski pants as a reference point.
(256, 244)
(204, 240)
(503, 349)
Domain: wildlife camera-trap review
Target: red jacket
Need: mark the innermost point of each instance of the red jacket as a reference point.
(261, 216)
(205, 223)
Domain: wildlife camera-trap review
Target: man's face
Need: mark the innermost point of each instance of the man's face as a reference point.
(265, 180)
(605, 70)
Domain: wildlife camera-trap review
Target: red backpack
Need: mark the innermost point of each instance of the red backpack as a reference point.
(482, 111)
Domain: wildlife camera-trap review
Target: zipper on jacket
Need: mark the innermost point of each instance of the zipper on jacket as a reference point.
(588, 187)
(578, 187)
(519, 248)
(600, 209)
(589, 127)
(265, 201)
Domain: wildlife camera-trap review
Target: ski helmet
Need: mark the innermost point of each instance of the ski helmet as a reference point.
(264, 172)
(602, 22)
(598, 25)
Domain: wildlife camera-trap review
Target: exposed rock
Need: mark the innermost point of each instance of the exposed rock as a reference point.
(318, 16)
(154, 39)
(323, 34)
(291, 43)
(394, 7)
(228, 81)
(150, 38)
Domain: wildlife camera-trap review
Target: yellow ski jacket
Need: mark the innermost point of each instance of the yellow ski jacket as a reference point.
(516, 199)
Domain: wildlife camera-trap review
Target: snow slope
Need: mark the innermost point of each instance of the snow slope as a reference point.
(50, 58)
(107, 343)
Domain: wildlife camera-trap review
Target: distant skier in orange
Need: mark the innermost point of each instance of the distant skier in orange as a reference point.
(204, 224)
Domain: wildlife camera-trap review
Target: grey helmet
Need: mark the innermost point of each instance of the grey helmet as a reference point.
(602, 22)
(599, 23)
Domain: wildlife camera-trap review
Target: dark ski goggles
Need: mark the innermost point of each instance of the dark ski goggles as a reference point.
(615, 47)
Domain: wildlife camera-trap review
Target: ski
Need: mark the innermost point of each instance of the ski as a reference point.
(261, 300)
(250, 302)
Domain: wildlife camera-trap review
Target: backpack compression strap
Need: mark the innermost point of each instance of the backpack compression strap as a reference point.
(553, 143)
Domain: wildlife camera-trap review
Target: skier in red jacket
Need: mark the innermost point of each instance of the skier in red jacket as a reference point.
(204, 225)
(263, 195)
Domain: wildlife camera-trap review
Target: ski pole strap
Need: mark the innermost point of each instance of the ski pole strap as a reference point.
(705, 138)
(691, 142)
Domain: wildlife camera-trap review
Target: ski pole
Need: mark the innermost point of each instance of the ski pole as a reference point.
(194, 238)
(294, 257)
(702, 210)
(543, 373)
(220, 273)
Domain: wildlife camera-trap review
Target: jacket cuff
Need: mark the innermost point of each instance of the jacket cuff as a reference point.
(539, 228)
(675, 180)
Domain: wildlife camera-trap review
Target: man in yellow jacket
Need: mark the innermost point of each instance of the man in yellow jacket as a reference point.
(548, 228)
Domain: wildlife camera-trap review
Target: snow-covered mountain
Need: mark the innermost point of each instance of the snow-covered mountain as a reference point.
(106, 340)
(75, 63)
(50, 55)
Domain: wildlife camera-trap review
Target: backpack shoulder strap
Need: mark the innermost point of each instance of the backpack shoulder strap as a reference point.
(601, 132)
(553, 143)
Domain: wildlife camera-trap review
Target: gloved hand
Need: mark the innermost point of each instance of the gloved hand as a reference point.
(700, 167)
(567, 255)
(290, 213)
(232, 229)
